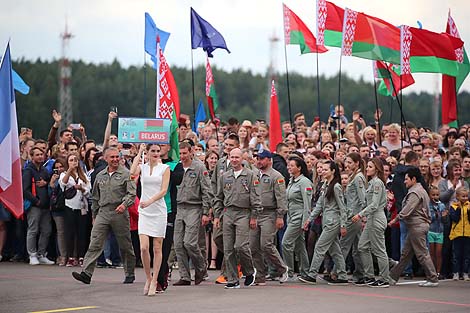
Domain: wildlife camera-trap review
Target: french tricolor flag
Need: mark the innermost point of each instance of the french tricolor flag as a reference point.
(11, 190)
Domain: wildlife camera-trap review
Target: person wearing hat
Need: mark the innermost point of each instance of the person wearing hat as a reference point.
(238, 196)
(274, 203)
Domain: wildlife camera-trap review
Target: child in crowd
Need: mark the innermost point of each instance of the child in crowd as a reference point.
(438, 214)
(460, 234)
(344, 180)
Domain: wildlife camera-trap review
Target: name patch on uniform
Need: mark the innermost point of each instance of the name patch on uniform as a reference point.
(281, 181)
(192, 175)
(376, 189)
(117, 176)
(266, 180)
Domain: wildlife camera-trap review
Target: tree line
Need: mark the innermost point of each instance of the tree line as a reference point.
(242, 94)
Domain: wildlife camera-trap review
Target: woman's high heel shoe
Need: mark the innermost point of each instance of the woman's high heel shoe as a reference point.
(146, 288)
(152, 289)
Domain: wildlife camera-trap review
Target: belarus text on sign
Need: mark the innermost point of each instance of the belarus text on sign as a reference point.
(138, 130)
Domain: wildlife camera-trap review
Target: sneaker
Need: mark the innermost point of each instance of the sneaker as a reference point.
(380, 284)
(408, 276)
(199, 278)
(456, 276)
(80, 262)
(327, 278)
(392, 281)
(82, 276)
(235, 285)
(260, 282)
(70, 262)
(45, 261)
(272, 277)
(338, 282)
(308, 280)
(429, 284)
(129, 280)
(284, 276)
(361, 282)
(160, 288)
(33, 260)
(465, 277)
(117, 265)
(221, 280)
(101, 265)
(250, 279)
(182, 283)
(369, 281)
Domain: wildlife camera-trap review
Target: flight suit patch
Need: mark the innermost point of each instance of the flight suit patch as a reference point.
(280, 181)
(266, 180)
(192, 175)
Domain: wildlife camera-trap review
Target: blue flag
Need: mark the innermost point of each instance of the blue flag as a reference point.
(151, 33)
(204, 36)
(19, 84)
(200, 116)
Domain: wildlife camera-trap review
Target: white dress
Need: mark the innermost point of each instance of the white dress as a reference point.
(152, 219)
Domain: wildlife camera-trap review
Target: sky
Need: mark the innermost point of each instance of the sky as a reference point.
(105, 30)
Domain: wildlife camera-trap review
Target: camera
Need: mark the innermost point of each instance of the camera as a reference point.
(55, 171)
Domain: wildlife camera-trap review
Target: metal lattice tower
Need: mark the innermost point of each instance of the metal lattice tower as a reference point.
(65, 81)
(272, 69)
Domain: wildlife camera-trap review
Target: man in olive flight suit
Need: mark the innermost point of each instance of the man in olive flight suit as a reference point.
(113, 192)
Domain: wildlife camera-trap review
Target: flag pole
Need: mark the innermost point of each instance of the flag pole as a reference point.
(145, 85)
(192, 84)
(288, 85)
(338, 123)
(400, 106)
(377, 110)
(216, 127)
(318, 94)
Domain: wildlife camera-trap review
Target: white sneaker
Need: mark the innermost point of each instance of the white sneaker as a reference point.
(33, 260)
(456, 276)
(285, 276)
(45, 261)
(465, 277)
(428, 284)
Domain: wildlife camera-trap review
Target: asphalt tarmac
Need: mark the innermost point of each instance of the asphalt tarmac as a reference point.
(42, 288)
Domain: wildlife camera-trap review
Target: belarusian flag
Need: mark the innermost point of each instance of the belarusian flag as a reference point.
(297, 33)
(212, 101)
(329, 24)
(390, 82)
(450, 84)
(369, 37)
(167, 93)
(275, 131)
(424, 51)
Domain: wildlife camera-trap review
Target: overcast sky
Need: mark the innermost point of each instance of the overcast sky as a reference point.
(114, 29)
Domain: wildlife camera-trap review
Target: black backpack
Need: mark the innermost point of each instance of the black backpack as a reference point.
(57, 199)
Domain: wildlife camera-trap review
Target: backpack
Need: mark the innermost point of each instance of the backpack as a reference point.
(57, 199)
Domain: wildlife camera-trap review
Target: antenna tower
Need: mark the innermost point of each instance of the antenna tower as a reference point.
(65, 81)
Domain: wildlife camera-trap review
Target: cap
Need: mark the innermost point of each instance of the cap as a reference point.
(264, 154)
(344, 140)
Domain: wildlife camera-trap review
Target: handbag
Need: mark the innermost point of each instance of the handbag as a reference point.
(69, 193)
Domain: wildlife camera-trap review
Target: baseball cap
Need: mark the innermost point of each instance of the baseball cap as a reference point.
(264, 154)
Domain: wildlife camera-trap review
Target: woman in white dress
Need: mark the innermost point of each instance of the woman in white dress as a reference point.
(154, 177)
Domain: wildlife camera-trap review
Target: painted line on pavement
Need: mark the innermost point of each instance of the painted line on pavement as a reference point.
(67, 309)
(373, 295)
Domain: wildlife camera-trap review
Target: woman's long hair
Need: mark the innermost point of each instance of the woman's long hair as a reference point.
(356, 157)
(80, 172)
(300, 163)
(336, 179)
(379, 168)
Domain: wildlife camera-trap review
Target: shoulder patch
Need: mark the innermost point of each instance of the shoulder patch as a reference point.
(281, 181)
(308, 189)
(205, 173)
(377, 188)
(255, 182)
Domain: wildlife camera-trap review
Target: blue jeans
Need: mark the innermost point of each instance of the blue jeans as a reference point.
(403, 234)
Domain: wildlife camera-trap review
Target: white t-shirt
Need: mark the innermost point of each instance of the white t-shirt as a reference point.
(76, 202)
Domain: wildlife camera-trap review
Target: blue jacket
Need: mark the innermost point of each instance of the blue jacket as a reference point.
(437, 220)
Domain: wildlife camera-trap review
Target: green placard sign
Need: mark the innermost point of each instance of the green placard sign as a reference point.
(143, 130)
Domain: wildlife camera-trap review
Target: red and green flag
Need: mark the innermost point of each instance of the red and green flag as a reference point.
(390, 81)
(275, 130)
(167, 92)
(369, 37)
(423, 51)
(211, 95)
(329, 24)
(451, 84)
(297, 33)
(174, 152)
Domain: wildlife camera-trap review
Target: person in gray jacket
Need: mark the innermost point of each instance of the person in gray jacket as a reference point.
(299, 198)
(331, 205)
(238, 196)
(355, 198)
(373, 236)
(415, 213)
(274, 202)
